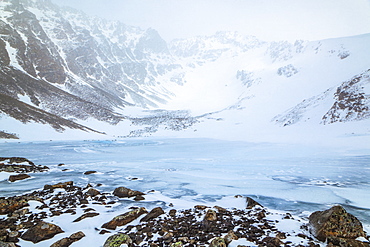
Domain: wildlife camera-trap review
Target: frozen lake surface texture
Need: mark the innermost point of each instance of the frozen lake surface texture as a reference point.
(186, 172)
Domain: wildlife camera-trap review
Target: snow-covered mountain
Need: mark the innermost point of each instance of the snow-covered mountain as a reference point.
(277, 91)
(74, 66)
(71, 71)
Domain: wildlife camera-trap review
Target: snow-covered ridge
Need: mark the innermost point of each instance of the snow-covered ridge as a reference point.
(93, 71)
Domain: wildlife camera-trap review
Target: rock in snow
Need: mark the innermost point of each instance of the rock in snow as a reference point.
(122, 192)
(13, 178)
(65, 242)
(335, 225)
(41, 231)
(125, 218)
(198, 226)
(118, 239)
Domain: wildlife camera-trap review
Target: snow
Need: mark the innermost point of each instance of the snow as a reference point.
(242, 144)
(5, 175)
(12, 53)
(40, 132)
(25, 99)
(188, 172)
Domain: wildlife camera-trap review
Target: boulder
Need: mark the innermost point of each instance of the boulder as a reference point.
(252, 203)
(201, 207)
(230, 236)
(86, 215)
(20, 212)
(125, 218)
(177, 244)
(13, 236)
(209, 219)
(154, 213)
(217, 242)
(211, 215)
(11, 204)
(117, 240)
(58, 185)
(7, 244)
(271, 242)
(89, 172)
(13, 178)
(345, 242)
(122, 192)
(41, 231)
(65, 242)
(93, 192)
(139, 198)
(335, 223)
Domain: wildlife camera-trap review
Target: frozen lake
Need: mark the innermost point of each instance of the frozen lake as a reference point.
(284, 177)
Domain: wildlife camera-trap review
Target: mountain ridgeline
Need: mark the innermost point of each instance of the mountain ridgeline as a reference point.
(61, 67)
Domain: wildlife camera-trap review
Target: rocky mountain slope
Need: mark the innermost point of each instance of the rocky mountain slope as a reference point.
(73, 66)
(68, 70)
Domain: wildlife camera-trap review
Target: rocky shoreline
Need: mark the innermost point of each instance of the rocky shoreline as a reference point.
(29, 217)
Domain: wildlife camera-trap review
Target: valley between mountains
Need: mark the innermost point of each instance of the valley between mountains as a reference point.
(66, 75)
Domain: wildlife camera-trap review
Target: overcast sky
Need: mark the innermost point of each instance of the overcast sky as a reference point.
(266, 19)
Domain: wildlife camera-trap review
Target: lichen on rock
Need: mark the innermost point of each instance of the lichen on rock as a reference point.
(335, 223)
(117, 240)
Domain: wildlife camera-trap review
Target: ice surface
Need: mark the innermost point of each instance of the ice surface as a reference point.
(288, 177)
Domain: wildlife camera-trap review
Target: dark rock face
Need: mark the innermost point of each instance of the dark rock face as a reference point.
(41, 231)
(122, 192)
(351, 101)
(125, 218)
(6, 135)
(76, 70)
(335, 223)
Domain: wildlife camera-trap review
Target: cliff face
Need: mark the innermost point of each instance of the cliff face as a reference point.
(71, 65)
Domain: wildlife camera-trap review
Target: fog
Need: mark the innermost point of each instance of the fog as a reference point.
(266, 19)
